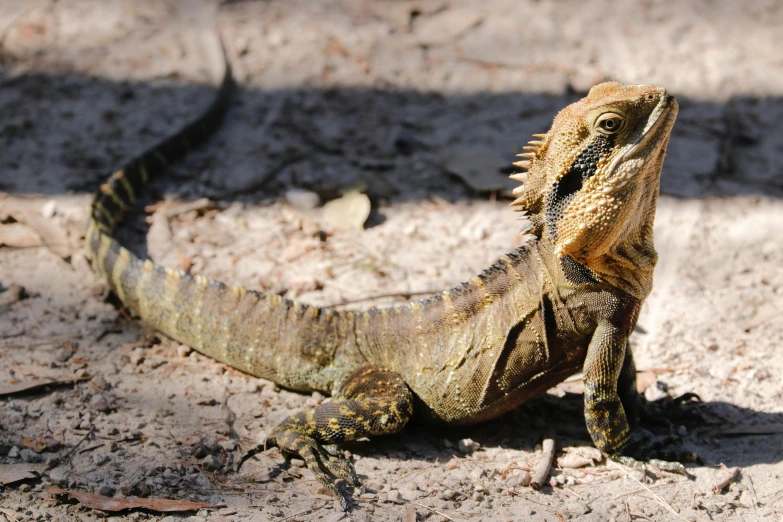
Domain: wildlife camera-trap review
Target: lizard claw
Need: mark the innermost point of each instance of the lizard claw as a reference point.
(642, 449)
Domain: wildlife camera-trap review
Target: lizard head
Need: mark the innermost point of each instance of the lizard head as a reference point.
(593, 181)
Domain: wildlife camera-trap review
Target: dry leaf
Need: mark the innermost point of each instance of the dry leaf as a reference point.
(18, 235)
(573, 461)
(348, 212)
(28, 211)
(37, 445)
(161, 505)
(10, 473)
(21, 387)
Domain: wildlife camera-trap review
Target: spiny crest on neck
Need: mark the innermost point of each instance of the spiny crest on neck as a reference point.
(592, 181)
(532, 182)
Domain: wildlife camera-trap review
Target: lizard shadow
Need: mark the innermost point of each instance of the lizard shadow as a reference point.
(718, 431)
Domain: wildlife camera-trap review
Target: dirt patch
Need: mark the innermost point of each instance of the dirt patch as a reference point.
(339, 95)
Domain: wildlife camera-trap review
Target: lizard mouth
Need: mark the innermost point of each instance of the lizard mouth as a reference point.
(657, 129)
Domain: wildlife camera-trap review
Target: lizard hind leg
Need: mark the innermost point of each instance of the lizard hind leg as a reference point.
(369, 400)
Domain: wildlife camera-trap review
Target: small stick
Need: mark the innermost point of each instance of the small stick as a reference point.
(657, 498)
(753, 492)
(544, 465)
(717, 488)
(441, 513)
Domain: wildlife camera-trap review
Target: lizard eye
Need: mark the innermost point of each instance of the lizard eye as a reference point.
(610, 123)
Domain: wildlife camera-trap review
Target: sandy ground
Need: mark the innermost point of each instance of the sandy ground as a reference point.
(391, 97)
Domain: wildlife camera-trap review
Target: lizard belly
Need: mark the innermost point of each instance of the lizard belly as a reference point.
(499, 372)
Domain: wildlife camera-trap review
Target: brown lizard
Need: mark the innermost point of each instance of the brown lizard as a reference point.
(565, 301)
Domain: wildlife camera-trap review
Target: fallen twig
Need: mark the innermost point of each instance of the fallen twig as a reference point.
(441, 513)
(109, 504)
(742, 431)
(544, 465)
(728, 479)
(34, 385)
(657, 498)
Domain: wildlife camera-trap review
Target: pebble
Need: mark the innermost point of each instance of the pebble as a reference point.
(212, 444)
(228, 445)
(210, 463)
(59, 476)
(394, 496)
(13, 453)
(467, 446)
(30, 456)
(99, 459)
(51, 460)
(447, 494)
(183, 351)
(297, 463)
(301, 199)
(107, 491)
(49, 208)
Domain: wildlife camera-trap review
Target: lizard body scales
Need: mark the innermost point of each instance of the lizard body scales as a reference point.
(566, 300)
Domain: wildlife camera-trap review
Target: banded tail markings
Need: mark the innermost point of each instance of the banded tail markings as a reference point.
(119, 177)
(118, 272)
(108, 189)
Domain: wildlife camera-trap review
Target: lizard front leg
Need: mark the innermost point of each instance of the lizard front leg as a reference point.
(610, 397)
(370, 400)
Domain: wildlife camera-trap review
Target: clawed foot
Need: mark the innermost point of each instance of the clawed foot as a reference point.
(643, 448)
(669, 410)
(326, 467)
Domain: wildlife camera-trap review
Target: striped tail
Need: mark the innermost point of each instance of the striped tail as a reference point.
(250, 331)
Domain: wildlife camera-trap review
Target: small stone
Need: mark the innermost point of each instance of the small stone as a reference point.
(49, 208)
(654, 393)
(297, 463)
(466, 446)
(29, 455)
(447, 494)
(113, 431)
(85, 424)
(25, 488)
(59, 476)
(107, 491)
(394, 496)
(200, 451)
(99, 459)
(210, 463)
(52, 444)
(228, 445)
(51, 460)
(447, 443)
(302, 200)
(99, 383)
(477, 474)
(139, 425)
(13, 453)
(212, 444)
(183, 351)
